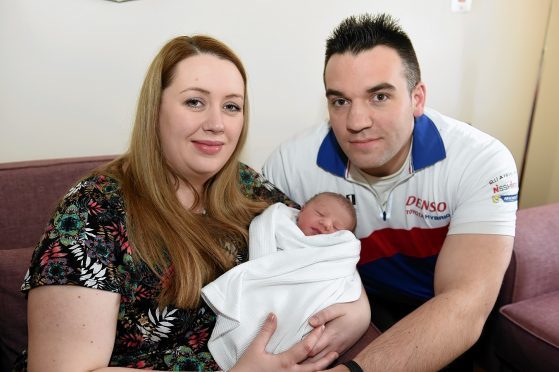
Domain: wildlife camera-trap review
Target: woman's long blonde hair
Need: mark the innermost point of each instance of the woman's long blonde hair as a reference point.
(186, 250)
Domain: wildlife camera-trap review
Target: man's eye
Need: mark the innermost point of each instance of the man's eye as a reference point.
(380, 97)
(232, 107)
(339, 102)
(194, 103)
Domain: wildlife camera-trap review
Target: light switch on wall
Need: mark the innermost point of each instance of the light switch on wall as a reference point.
(460, 6)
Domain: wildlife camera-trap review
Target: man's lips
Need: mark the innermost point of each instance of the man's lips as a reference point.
(365, 143)
(208, 147)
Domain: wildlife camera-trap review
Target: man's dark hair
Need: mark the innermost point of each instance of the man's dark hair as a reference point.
(360, 33)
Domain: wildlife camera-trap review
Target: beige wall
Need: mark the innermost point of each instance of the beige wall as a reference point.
(71, 69)
(541, 180)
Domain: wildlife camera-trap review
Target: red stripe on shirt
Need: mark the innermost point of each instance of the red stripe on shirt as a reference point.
(416, 242)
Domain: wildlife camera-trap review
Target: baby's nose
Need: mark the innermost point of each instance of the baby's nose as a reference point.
(327, 225)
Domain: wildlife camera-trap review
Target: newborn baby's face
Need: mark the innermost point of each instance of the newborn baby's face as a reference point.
(324, 215)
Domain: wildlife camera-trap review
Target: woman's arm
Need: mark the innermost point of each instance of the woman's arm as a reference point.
(71, 328)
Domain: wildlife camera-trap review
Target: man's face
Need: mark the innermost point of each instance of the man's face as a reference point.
(371, 109)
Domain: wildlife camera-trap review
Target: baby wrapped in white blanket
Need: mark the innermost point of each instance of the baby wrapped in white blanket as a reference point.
(289, 273)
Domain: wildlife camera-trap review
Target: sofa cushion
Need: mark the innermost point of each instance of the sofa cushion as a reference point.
(13, 306)
(534, 267)
(31, 191)
(528, 333)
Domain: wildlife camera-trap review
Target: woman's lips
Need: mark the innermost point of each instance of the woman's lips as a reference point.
(208, 147)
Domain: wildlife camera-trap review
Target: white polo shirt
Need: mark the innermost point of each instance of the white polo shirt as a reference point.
(461, 181)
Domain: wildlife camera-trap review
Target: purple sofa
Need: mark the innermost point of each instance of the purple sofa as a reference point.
(29, 193)
(522, 334)
(525, 326)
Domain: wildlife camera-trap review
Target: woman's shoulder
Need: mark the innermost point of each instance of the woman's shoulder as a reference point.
(95, 184)
(86, 239)
(95, 194)
(255, 186)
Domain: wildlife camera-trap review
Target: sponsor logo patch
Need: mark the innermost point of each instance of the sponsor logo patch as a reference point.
(500, 187)
(504, 198)
(427, 209)
(426, 205)
(502, 177)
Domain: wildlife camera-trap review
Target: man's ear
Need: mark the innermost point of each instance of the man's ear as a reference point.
(418, 96)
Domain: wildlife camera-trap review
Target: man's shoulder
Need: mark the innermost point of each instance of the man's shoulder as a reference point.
(300, 149)
(463, 140)
(454, 131)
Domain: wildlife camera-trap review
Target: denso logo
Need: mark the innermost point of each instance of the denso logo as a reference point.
(427, 205)
(507, 186)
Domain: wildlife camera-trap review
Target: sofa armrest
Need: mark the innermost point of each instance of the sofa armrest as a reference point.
(13, 306)
(534, 267)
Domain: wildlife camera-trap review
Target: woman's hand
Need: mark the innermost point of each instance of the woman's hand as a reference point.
(256, 358)
(345, 324)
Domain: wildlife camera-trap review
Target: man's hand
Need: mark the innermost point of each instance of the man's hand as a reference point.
(345, 324)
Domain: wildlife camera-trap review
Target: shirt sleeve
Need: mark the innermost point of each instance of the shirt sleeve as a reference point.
(487, 193)
(274, 170)
(85, 242)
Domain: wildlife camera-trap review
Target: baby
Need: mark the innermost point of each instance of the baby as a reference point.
(326, 213)
(299, 263)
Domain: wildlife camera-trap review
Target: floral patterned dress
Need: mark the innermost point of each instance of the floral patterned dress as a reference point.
(86, 244)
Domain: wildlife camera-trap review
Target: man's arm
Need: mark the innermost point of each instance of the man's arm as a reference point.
(468, 276)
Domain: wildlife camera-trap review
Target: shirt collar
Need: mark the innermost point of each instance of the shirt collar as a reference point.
(427, 149)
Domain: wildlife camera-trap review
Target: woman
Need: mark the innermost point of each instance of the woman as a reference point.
(116, 278)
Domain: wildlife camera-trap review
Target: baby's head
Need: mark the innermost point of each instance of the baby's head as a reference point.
(326, 213)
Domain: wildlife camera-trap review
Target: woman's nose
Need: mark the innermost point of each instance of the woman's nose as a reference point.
(214, 121)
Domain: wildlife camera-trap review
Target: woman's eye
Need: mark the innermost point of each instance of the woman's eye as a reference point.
(232, 107)
(194, 103)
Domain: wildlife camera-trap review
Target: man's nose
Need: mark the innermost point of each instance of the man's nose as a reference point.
(359, 117)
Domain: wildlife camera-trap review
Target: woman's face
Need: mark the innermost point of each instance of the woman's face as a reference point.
(201, 116)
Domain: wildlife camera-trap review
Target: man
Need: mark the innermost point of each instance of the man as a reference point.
(435, 198)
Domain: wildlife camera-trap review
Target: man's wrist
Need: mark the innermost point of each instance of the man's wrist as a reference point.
(353, 366)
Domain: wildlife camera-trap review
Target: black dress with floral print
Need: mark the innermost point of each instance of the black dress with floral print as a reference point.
(86, 244)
